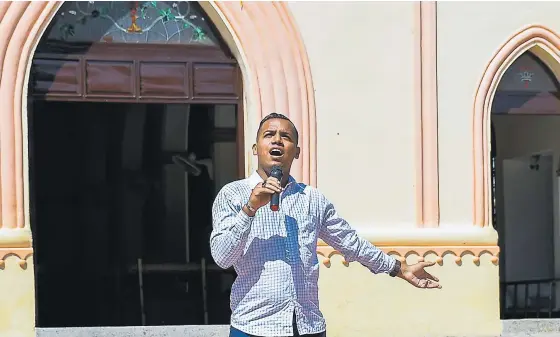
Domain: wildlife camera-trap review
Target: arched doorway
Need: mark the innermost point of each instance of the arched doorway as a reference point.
(288, 88)
(134, 125)
(525, 153)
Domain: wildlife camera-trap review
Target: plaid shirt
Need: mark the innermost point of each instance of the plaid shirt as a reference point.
(275, 256)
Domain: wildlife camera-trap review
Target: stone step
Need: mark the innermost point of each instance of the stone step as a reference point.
(138, 331)
(511, 328)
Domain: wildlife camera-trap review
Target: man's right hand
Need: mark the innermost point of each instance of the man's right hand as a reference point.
(263, 191)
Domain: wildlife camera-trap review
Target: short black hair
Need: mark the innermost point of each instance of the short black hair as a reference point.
(276, 115)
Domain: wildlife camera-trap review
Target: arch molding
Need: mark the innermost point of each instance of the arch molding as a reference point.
(547, 44)
(262, 35)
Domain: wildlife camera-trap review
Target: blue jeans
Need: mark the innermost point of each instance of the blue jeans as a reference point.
(233, 332)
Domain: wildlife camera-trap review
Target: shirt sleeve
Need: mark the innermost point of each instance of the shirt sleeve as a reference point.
(337, 233)
(231, 226)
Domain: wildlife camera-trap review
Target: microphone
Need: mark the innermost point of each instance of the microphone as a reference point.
(276, 172)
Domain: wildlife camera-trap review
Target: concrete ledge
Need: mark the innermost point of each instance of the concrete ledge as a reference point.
(531, 327)
(511, 328)
(138, 331)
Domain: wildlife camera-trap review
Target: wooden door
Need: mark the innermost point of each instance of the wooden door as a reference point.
(168, 54)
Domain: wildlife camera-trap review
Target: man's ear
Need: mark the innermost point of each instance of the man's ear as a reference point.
(298, 150)
(254, 149)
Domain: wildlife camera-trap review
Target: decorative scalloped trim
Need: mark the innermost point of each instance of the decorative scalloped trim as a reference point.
(22, 253)
(403, 252)
(327, 252)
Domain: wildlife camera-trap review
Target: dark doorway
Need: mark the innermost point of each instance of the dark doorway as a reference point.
(134, 125)
(524, 161)
(120, 186)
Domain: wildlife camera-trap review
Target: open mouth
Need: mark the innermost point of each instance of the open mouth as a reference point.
(276, 152)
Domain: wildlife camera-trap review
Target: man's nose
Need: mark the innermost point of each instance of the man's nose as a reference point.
(277, 139)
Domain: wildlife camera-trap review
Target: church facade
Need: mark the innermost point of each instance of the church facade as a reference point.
(402, 110)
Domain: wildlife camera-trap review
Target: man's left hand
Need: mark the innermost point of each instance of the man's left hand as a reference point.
(417, 276)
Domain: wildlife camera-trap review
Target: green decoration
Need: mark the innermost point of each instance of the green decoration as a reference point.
(146, 22)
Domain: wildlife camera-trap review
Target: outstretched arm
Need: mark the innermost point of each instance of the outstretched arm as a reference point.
(337, 233)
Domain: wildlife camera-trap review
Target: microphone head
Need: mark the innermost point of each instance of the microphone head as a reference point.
(276, 172)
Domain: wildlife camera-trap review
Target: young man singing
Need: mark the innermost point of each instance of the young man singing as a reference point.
(274, 252)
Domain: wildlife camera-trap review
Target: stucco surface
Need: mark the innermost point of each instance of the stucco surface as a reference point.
(364, 94)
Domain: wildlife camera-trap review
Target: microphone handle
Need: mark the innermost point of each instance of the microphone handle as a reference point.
(275, 202)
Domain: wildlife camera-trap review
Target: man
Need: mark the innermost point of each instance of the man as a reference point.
(274, 253)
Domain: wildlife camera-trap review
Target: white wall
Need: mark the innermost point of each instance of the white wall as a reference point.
(528, 234)
(528, 219)
(362, 57)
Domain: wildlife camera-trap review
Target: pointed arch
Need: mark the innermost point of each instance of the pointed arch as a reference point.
(262, 35)
(544, 43)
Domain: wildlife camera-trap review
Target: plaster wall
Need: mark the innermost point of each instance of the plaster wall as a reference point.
(357, 303)
(366, 102)
(17, 307)
(365, 105)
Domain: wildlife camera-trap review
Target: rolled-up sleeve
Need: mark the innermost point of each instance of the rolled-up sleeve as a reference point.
(231, 227)
(337, 233)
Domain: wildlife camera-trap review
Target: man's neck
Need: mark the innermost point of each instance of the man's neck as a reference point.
(264, 176)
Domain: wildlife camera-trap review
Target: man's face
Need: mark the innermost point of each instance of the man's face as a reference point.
(276, 144)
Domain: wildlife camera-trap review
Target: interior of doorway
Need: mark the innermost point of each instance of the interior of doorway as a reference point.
(525, 164)
(120, 209)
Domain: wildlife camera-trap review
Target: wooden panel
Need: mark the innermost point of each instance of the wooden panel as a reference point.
(164, 80)
(139, 73)
(136, 51)
(215, 81)
(56, 77)
(110, 78)
(218, 135)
